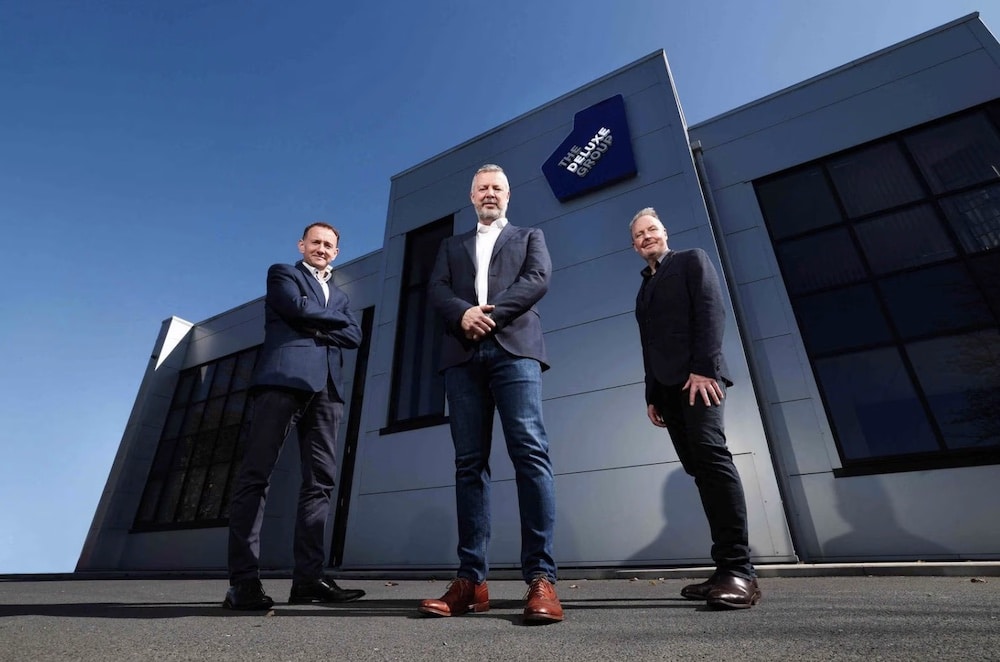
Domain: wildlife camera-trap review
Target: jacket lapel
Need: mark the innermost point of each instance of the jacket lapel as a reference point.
(505, 235)
(313, 284)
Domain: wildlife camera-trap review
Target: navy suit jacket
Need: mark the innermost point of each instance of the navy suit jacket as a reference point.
(681, 318)
(520, 268)
(303, 336)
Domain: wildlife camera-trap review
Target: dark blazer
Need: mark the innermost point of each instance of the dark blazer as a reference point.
(681, 317)
(520, 268)
(303, 337)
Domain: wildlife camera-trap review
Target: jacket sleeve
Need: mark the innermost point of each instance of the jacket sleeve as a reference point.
(441, 291)
(297, 309)
(707, 315)
(530, 285)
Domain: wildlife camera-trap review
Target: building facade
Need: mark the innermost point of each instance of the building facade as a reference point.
(855, 220)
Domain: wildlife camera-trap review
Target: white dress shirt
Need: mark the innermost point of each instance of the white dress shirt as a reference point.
(323, 277)
(486, 239)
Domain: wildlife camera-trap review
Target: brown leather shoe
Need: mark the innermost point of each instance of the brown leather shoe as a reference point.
(542, 604)
(462, 595)
(698, 591)
(732, 592)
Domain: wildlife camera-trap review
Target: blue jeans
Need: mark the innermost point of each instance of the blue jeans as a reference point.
(495, 379)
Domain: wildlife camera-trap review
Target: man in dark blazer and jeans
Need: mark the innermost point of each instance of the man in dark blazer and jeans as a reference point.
(485, 285)
(680, 313)
(298, 382)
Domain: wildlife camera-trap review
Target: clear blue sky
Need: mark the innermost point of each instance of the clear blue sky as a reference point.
(156, 157)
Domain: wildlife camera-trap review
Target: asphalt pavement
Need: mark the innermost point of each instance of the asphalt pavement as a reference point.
(846, 616)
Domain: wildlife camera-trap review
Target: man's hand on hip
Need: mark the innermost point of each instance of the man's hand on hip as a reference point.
(705, 387)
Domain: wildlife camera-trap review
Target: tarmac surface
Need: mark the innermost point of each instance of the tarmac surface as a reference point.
(850, 616)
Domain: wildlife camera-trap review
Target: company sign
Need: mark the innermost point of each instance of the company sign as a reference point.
(596, 154)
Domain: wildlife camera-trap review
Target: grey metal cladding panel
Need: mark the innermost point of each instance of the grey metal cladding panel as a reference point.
(413, 528)
(592, 290)
(910, 515)
(411, 460)
(363, 292)
(866, 75)
(893, 107)
(768, 313)
(736, 206)
(382, 346)
(430, 203)
(604, 429)
(247, 333)
(636, 514)
(373, 416)
(395, 251)
(785, 375)
(751, 255)
(605, 217)
(593, 356)
(388, 305)
(803, 437)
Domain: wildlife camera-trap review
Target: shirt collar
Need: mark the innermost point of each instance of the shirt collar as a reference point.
(495, 226)
(323, 275)
(647, 272)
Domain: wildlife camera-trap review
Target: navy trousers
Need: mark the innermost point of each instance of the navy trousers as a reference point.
(316, 418)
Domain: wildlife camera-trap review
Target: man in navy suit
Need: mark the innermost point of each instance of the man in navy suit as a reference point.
(485, 285)
(298, 382)
(681, 317)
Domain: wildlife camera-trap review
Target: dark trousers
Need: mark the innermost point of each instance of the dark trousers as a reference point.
(698, 437)
(316, 418)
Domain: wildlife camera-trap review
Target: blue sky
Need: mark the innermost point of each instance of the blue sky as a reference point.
(156, 157)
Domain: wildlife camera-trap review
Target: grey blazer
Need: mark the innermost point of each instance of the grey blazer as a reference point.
(520, 268)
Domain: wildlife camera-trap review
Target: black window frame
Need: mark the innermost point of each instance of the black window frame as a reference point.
(415, 360)
(218, 444)
(963, 259)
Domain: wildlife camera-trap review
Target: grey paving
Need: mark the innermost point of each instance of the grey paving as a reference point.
(801, 618)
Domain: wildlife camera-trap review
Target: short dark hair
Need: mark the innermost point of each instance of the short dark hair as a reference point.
(320, 224)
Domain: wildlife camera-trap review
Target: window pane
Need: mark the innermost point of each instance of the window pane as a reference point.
(987, 272)
(172, 427)
(798, 202)
(960, 153)
(244, 370)
(975, 217)
(820, 261)
(168, 500)
(192, 494)
(215, 487)
(417, 389)
(905, 239)
(874, 178)
(935, 300)
(223, 374)
(182, 394)
(235, 404)
(202, 381)
(212, 418)
(842, 319)
(873, 405)
(192, 419)
(961, 377)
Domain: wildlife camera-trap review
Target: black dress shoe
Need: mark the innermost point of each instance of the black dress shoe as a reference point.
(699, 591)
(322, 590)
(732, 592)
(247, 595)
